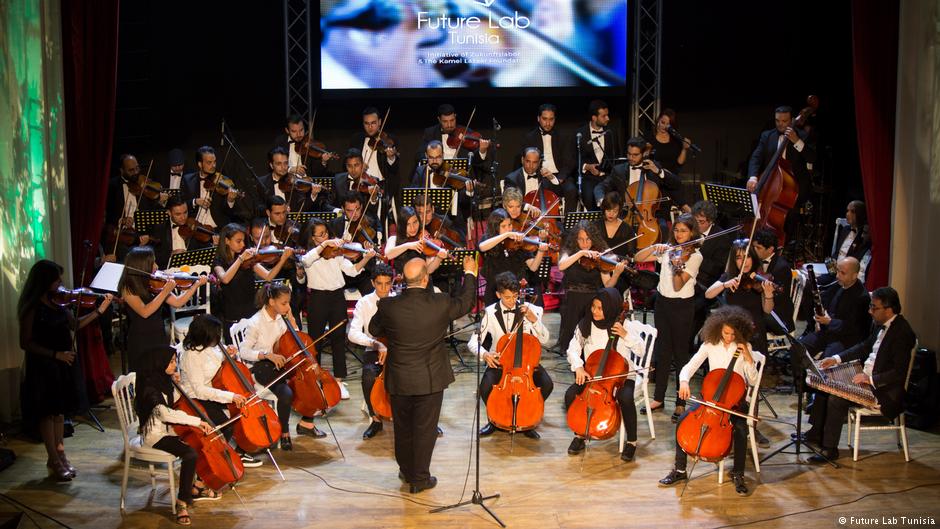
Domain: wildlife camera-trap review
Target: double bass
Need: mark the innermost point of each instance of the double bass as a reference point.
(515, 403)
(594, 413)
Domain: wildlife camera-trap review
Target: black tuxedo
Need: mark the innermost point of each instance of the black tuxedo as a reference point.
(390, 171)
(418, 367)
(888, 373)
(298, 201)
(478, 165)
(517, 179)
(463, 201)
(314, 167)
(163, 249)
(861, 244)
(848, 309)
(562, 151)
(767, 146)
(714, 258)
(191, 188)
(618, 180)
(115, 201)
(588, 156)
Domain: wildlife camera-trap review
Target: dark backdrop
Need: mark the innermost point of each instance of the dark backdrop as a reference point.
(183, 66)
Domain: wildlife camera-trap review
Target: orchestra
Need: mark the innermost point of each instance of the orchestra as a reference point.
(357, 259)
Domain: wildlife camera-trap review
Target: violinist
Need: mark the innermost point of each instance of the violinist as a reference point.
(582, 283)
(122, 202)
(452, 230)
(205, 205)
(283, 230)
(326, 303)
(522, 215)
(199, 363)
(529, 177)
(174, 178)
(375, 351)
(591, 337)
(346, 225)
(146, 332)
(406, 244)
(356, 180)
(497, 258)
(153, 403)
(558, 160)
(616, 232)
(675, 304)
(166, 238)
(599, 146)
(49, 389)
(774, 265)
(385, 162)
(623, 175)
(293, 140)
(236, 270)
(726, 330)
(433, 167)
(279, 183)
(447, 129)
(263, 331)
(498, 320)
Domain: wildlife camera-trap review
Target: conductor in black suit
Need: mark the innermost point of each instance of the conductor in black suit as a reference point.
(798, 153)
(417, 365)
(599, 146)
(886, 355)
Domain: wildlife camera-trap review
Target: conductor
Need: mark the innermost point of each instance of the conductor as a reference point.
(417, 364)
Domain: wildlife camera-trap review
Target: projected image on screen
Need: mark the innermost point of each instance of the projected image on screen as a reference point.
(481, 43)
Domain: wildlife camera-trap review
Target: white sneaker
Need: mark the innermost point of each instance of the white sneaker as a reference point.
(343, 391)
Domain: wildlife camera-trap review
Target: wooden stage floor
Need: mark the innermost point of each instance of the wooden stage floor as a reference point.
(540, 485)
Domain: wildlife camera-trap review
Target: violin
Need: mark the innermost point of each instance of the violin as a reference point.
(217, 464)
(381, 403)
(594, 413)
(706, 432)
(463, 137)
(267, 255)
(183, 281)
(362, 230)
(383, 140)
(441, 231)
(605, 262)
(293, 183)
(550, 205)
(221, 185)
(146, 188)
(83, 298)
(754, 281)
(349, 250)
(368, 185)
(287, 233)
(258, 427)
(516, 403)
(308, 146)
(528, 244)
(196, 230)
(441, 177)
(315, 390)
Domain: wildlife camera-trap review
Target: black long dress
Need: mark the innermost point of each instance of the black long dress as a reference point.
(238, 295)
(49, 387)
(667, 154)
(498, 260)
(145, 336)
(751, 301)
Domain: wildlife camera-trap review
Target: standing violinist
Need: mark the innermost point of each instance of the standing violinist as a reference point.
(616, 232)
(406, 244)
(380, 156)
(500, 319)
(558, 163)
(293, 139)
(274, 184)
(326, 303)
(166, 238)
(498, 257)
(374, 356)
(352, 227)
(726, 331)
(675, 305)
(599, 146)
(205, 205)
(800, 154)
(581, 282)
(624, 175)
(433, 167)
(593, 333)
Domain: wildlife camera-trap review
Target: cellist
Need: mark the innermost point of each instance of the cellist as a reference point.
(498, 320)
(591, 337)
(726, 330)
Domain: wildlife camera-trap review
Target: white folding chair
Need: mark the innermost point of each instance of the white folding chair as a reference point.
(897, 424)
(199, 303)
(641, 359)
(752, 398)
(123, 390)
(238, 332)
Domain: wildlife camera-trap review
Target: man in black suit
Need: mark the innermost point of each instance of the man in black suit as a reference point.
(351, 182)
(852, 239)
(295, 132)
(460, 200)
(599, 147)
(799, 154)
(886, 355)
(208, 207)
(557, 159)
(530, 175)
(778, 268)
(417, 363)
(121, 203)
(846, 318)
(623, 175)
(446, 124)
(173, 178)
(269, 186)
(166, 239)
(385, 162)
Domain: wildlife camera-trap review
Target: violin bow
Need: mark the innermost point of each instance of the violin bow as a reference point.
(747, 250)
(465, 132)
(612, 248)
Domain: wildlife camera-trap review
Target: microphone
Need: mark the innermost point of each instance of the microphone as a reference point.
(578, 135)
(222, 134)
(496, 126)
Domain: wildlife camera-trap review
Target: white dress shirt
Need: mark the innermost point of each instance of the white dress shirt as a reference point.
(197, 369)
(719, 357)
(327, 274)
(362, 315)
(176, 180)
(490, 326)
(161, 420)
(130, 202)
(547, 155)
(178, 242)
(596, 342)
(846, 244)
(665, 286)
(262, 333)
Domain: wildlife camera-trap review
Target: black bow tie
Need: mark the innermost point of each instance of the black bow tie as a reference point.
(509, 311)
(636, 167)
(289, 142)
(175, 174)
(767, 261)
(176, 226)
(545, 133)
(533, 176)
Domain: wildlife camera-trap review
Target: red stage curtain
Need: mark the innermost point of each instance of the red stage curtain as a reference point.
(875, 65)
(90, 47)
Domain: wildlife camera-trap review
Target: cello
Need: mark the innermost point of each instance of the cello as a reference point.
(594, 413)
(259, 427)
(315, 389)
(644, 200)
(516, 403)
(777, 189)
(217, 463)
(381, 403)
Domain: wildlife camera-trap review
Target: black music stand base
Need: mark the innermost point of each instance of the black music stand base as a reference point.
(798, 441)
(477, 499)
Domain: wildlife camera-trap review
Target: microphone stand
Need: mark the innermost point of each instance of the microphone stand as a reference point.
(77, 364)
(580, 169)
(478, 498)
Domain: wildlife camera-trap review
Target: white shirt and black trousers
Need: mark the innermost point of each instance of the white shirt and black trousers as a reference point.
(675, 314)
(262, 334)
(359, 334)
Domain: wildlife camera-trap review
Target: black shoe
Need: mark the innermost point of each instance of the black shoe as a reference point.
(576, 446)
(629, 450)
(532, 434)
(373, 429)
(286, 444)
(424, 485)
(487, 430)
(440, 433)
(674, 476)
(676, 414)
(644, 411)
(312, 432)
(762, 440)
(826, 453)
(250, 462)
(739, 486)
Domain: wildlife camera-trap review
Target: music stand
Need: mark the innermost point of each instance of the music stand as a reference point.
(303, 217)
(574, 217)
(736, 202)
(323, 181)
(441, 197)
(460, 166)
(146, 219)
(203, 256)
